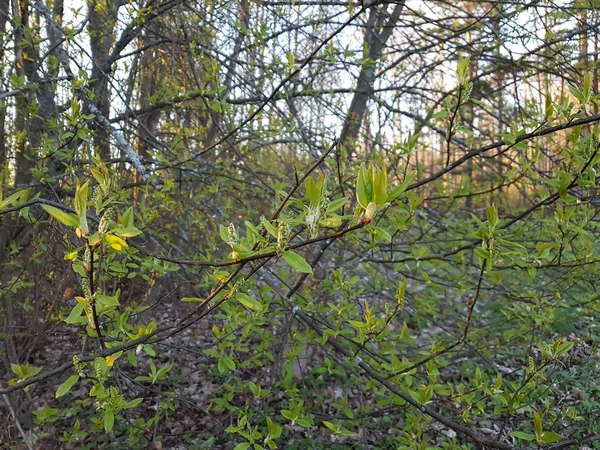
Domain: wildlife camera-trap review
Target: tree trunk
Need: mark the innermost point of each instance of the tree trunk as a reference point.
(31, 129)
(4, 11)
(103, 15)
(23, 67)
(583, 42)
(377, 32)
(153, 73)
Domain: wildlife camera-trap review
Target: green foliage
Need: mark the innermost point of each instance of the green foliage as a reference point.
(23, 372)
(371, 186)
(212, 269)
(297, 262)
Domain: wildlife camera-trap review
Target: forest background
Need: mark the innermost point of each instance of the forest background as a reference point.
(299, 224)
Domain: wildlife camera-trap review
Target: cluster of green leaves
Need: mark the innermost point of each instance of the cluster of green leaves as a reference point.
(102, 247)
(318, 211)
(382, 320)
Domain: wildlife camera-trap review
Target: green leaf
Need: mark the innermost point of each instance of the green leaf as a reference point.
(132, 359)
(18, 369)
(477, 221)
(363, 187)
(537, 424)
(127, 218)
(492, 215)
(79, 269)
(463, 129)
(67, 385)
(248, 302)
(97, 390)
(412, 140)
(482, 253)
(525, 436)
(274, 429)
(297, 262)
(81, 196)
(303, 422)
(587, 88)
(336, 204)
(371, 179)
(253, 388)
(94, 239)
(163, 370)
(564, 347)
(109, 420)
(70, 220)
(228, 362)
(522, 145)
(108, 300)
(12, 199)
(269, 227)
(509, 139)
(549, 437)
(399, 190)
(331, 426)
(382, 235)
(288, 414)
(252, 232)
(549, 106)
(242, 446)
(426, 394)
(331, 222)
(313, 193)
(132, 403)
(75, 315)
(461, 70)
(380, 187)
(191, 299)
(224, 234)
(127, 232)
(290, 58)
(215, 105)
(577, 93)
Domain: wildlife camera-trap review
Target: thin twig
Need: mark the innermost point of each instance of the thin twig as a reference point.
(17, 423)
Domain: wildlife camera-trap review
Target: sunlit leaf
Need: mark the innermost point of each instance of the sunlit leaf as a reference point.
(363, 187)
(68, 219)
(109, 420)
(67, 385)
(116, 242)
(248, 302)
(127, 232)
(525, 436)
(75, 315)
(380, 187)
(297, 262)
(549, 437)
